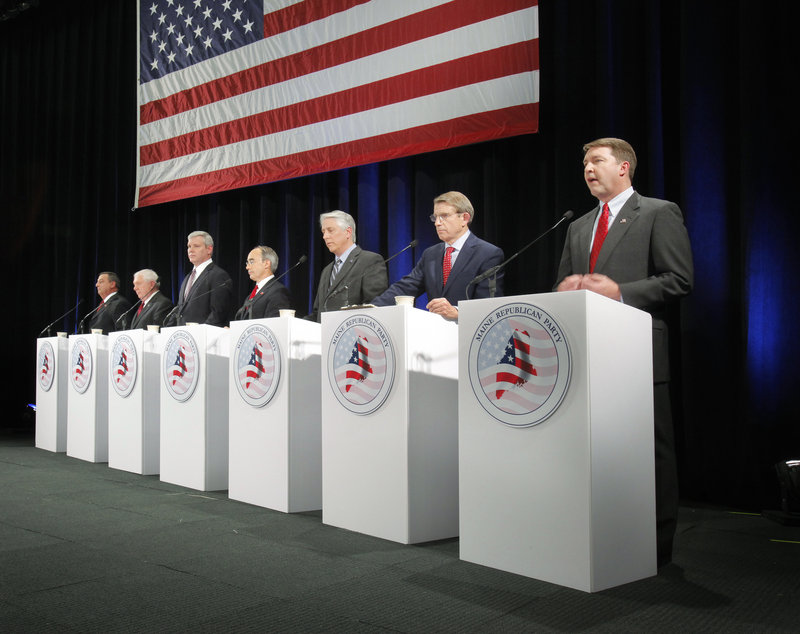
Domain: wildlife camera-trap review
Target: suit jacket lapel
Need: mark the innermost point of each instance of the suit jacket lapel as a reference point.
(618, 229)
(344, 272)
(196, 281)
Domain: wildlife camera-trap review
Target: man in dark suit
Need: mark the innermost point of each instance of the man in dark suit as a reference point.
(206, 295)
(635, 250)
(154, 305)
(445, 269)
(268, 296)
(355, 276)
(112, 306)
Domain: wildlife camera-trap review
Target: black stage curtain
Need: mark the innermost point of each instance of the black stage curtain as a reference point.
(701, 89)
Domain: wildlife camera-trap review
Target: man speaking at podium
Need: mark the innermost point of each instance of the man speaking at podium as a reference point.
(445, 270)
(354, 276)
(206, 295)
(268, 297)
(635, 250)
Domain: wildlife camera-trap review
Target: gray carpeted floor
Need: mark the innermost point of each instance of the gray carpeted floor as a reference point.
(85, 548)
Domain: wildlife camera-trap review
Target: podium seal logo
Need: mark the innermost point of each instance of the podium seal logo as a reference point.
(257, 365)
(181, 365)
(361, 364)
(519, 364)
(46, 366)
(81, 365)
(124, 365)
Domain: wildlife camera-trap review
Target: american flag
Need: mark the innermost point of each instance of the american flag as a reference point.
(122, 366)
(361, 373)
(45, 367)
(179, 368)
(256, 376)
(80, 366)
(235, 93)
(518, 366)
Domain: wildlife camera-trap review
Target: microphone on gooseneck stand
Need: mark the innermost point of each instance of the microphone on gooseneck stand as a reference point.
(491, 274)
(347, 305)
(346, 287)
(123, 315)
(410, 245)
(47, 328)
(302, 259)
(85, 317)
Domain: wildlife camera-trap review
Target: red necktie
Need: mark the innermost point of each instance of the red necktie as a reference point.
(253, 293)
(139, 312)
(447, 265)
(599, 236)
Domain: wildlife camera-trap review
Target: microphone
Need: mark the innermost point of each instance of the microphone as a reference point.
(492, 272)
(346, 287)
(410, 245)
(302, 260)
(47, 328)
(124, 324)
(347, 305)
(85, 317)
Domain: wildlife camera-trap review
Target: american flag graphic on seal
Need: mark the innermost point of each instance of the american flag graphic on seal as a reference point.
(81, 365)
(361, 364)
(256, 365)
(181, 365)
(519, 364)
(124, 365)
(47, 366)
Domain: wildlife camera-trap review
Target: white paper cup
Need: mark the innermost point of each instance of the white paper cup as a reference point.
(61, 334)
(97, 331)
(286, 312)
(404, 300)
(153, 327)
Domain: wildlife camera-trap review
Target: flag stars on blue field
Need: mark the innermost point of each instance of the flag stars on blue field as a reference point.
(177, 33)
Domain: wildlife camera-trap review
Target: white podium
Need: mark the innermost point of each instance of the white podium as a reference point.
(275, 443)
(87, 403)
(556, 438)
(133, 401)
(52, 366)
(389, 423)
(194, 407)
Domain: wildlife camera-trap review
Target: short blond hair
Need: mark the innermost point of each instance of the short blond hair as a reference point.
(457, 200)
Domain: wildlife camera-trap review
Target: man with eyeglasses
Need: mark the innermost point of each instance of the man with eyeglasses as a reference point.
(268, 296)
(445, 270)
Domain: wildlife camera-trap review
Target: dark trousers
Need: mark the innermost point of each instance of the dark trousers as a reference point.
(666, 473)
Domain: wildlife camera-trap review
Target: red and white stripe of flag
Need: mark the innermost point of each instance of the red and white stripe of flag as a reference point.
(338, 83)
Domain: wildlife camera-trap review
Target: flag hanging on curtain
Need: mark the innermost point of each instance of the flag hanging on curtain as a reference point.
(236, 93)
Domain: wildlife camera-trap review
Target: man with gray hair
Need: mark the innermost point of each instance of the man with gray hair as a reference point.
(153, 305)
(268, 296)
(355, 276)
(206, 294)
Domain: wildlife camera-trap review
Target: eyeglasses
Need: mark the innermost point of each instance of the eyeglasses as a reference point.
(434, 217)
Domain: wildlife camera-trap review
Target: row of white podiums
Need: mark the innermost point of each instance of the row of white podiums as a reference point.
(526, 429)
